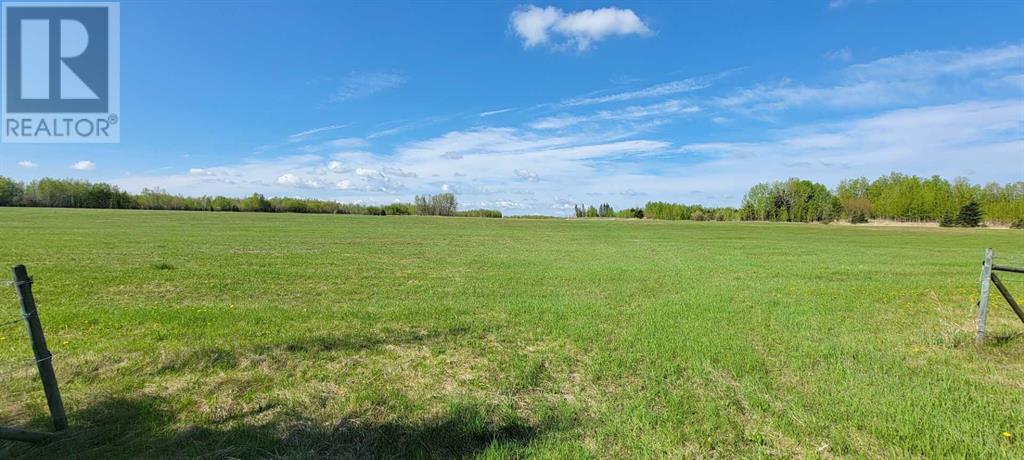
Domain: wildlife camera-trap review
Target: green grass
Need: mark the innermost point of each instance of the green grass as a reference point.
(273, 335)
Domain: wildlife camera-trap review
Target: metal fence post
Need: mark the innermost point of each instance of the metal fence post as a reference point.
(44, 359)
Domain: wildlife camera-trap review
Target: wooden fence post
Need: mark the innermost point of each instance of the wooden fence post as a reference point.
(44, 359)
(986, 276)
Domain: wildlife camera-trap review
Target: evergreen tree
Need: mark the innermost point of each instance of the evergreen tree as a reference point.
(970, 215)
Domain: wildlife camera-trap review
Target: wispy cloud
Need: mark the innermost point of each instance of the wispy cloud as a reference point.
(945, 139)
(27, 164)
(898, 80)
(398, 127)
(671, 107)
(841, 55)
(494, 112)
(550, 26)
(357, 85)
(310, 132)
(661, 89)
(84, 165)
(922, 65)
(348, 143)
(840, 4)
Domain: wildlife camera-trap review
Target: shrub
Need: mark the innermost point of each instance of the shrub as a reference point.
(697, 215)
(857, 209)
(255, 203)
(631, 213)
(399, 209)
(969, 215)
(10, 192)
(490, 213)
(1019, 223)
(858, 218)
(436, 205)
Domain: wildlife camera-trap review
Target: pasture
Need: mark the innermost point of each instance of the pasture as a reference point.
(281, 335)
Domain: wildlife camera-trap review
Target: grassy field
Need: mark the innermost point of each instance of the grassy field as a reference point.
(268, 335)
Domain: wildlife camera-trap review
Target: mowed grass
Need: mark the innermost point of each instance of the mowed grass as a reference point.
(269, 335)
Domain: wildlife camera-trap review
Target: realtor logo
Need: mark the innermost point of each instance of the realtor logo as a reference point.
(61, 72)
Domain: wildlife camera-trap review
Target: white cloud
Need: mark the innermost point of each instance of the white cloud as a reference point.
(357, 85)
(505, 205)
(337, 167)
(27, 164)
(527, 175)
(289, 179)
(397, 172)
(579, 30)
(84, 165)
(293, 180)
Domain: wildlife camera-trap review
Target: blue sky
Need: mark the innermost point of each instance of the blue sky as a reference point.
(529, 108)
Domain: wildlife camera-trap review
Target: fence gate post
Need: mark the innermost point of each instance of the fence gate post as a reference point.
(986, 276)
(44, 359)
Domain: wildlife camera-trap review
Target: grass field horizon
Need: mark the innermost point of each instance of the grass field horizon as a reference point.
(213, 335)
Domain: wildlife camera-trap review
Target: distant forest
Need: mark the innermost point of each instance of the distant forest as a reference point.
(895, 197)
(69, 193)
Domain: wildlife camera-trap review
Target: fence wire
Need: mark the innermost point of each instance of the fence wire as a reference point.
(31, 363)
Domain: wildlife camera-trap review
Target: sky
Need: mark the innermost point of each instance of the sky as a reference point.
(531, 108)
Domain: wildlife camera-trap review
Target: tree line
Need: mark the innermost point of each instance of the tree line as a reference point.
(894, 196)
(606, 210)
(69, 193)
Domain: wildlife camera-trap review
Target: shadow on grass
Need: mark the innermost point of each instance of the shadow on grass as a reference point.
(143, 427)
(223, 358)
(153, 427)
